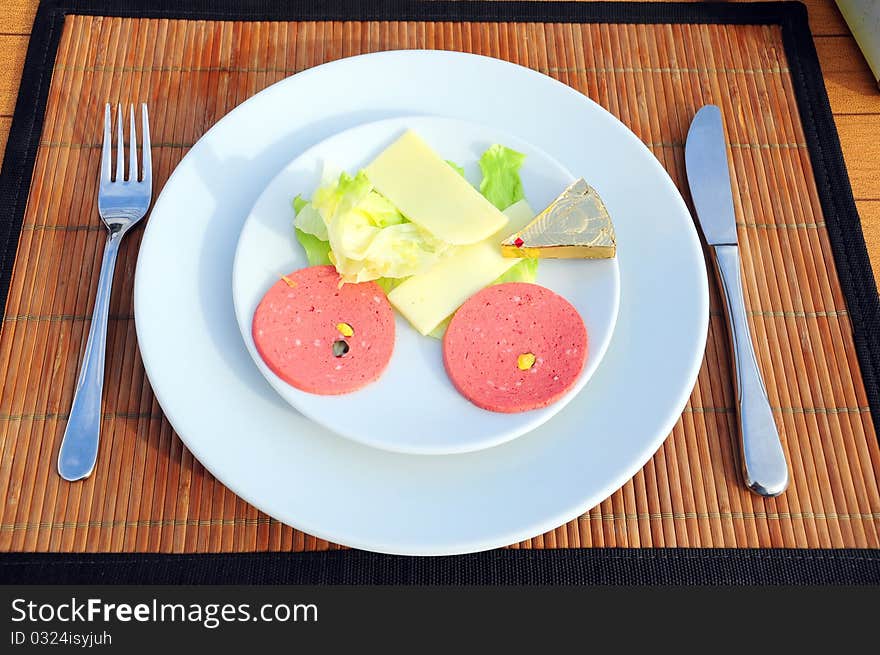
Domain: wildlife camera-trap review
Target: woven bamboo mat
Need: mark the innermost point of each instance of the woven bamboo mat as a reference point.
(149, 494)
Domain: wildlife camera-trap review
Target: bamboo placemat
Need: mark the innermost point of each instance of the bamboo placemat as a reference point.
(149, 494)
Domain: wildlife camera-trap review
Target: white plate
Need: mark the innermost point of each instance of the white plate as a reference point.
(413, 407)
(292, 469)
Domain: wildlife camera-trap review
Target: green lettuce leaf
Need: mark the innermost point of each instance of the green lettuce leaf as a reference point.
(388, 284)
(309, 220)
(298, 203)
(317, 251)
(525, 270)
(501, 184)
(458, 169)
(318, 254)
(341, 195)
(361, 233)
(396, 251)
(380, 210)
(440, 330)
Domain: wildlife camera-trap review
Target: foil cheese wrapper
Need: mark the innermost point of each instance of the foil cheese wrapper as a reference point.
(574, 226)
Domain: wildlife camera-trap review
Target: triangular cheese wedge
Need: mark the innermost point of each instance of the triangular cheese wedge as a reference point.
(575, 225)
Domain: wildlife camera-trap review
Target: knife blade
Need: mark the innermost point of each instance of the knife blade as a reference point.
(762, 459)
(705, 157)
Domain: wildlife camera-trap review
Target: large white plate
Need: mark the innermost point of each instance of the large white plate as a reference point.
(413, 407)
(251, 440)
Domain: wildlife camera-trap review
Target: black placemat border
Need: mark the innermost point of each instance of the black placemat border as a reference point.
(563, 566)
(566, 566)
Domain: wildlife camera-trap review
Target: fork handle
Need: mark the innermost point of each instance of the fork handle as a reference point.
(79, 448)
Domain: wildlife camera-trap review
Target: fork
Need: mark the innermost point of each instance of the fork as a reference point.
(122, 202)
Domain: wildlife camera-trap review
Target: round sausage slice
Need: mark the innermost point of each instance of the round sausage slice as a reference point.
(515, 347)
(323, 338)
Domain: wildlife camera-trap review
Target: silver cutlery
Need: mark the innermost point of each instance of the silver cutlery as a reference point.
(763, 461)
(122, 202)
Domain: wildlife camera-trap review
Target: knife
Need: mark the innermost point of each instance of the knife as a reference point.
(763, 462)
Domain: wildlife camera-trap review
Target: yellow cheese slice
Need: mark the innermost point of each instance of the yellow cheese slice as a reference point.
(431, 194)
(428, 298)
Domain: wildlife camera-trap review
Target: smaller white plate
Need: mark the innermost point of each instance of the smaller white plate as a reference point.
(413, 408)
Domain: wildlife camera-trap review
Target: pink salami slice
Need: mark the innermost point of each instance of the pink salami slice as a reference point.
(298, 321)
(484, 343)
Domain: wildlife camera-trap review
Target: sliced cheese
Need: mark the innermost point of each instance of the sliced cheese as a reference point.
(431, 194)
(426, 299)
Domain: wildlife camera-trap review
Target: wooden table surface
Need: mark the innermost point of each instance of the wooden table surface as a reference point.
(854, 96)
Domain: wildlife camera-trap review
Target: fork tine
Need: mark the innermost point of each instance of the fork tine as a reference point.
(132, 148)
(105, 151)
(147, 172)
(120, 146)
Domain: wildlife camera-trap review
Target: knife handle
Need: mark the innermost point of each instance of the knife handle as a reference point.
(763, 462)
